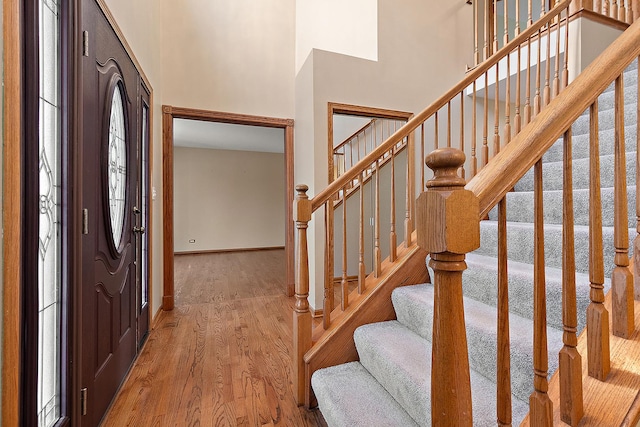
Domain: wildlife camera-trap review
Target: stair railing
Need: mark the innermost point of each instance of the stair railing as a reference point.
(439, 208)
(497, 22)
(544, 44)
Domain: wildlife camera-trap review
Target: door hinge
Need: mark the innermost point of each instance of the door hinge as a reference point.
(85, 43)
(83, 401)
(85, 221)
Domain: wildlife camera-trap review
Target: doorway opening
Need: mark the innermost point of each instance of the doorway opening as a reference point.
(171, 115)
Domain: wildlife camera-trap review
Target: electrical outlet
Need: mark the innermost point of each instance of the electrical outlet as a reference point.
(192, 240)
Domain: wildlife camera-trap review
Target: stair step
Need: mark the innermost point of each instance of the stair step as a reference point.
(349, 396)
(520, 244)
(552, 173)
(479, 282)
(416, 301)
(606, 120)
(520, 206)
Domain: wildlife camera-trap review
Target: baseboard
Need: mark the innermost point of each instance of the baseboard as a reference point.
(156, 318)
(316, 313)
(220, 251)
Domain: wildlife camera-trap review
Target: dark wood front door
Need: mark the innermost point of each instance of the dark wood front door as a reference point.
(111, 135)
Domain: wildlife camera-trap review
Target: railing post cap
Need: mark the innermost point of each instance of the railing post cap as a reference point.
(445, 163)
(302, 188)
(302, 204)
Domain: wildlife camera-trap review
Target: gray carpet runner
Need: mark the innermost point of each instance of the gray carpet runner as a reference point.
(391, 386)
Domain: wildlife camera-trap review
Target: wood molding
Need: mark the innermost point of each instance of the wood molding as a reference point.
(316, 313)
(224, 251)
(12, 211)
(599, 18)
(168, 114)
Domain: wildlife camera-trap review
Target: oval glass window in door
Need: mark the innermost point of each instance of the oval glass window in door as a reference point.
(117, 166)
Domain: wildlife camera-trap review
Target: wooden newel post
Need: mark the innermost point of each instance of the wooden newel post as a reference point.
(301, 313)
(448, 226)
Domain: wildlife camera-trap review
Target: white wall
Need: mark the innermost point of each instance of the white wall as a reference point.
(346, 27)
(228, 199)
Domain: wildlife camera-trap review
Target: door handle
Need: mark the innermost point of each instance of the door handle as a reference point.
(138, 230)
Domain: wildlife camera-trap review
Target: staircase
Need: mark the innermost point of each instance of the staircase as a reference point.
(390, 385)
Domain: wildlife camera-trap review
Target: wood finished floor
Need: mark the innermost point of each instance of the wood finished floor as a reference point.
(222, 357)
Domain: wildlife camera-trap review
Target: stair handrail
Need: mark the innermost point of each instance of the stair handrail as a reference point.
(443, 215)
(347, 140)
(319, 199)
(492, 183)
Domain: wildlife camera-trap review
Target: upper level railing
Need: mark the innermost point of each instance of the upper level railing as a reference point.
(498, 22)
(488, 189)
(474, 116)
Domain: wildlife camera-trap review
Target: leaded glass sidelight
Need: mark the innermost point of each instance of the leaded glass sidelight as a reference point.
(117, 166)
(49, 229)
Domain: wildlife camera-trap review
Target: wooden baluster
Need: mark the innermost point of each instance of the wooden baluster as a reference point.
(408, 212)
(462, 169)
(621, 280)
(606, 7)
(496, 115)
(421, 156)
(556, 74)
(629, 18)
(505, 39)
(474, 123)
(570, 361)
(542, 9)
(636, 10)
(393, 244)
(539, 403)
(614, 9)
(301, 312)
(437, 214)
(487, 30)
(547, 69)
(476, 29)
(377, 254)
(517, 28)
(529, 13)
(636, 242)
(517, 119)
(527, 85)
(361, 266)
(622, 12)
(504, 346)
(507, 102)
(437, 138)
(536, 98)
(328, 300)
(598, 357)
(565, 70)
(344, 284)
(485, 131)
(449, 124)
(359, 145)
(495, 28)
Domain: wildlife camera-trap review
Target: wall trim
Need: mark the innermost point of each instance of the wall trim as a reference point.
(168, 114)
(223, 251)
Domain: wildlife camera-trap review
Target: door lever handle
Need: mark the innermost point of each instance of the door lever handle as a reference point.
(138, 230)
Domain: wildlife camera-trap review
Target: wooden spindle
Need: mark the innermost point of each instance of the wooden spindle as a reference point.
(621, 279)
(630, 12)
(597, 6)
(485, 131)
(614, 9)
(301, 312)
(462, 169)
(361, 266)
(636, 10)
(507, 102)
(542, 9)
(536, 98)
(436, 136)
(344, 284)
(328, 298)
(547, 69)
(540, 405)
(496, 116)
(503, 370)
(487, 30)
(474, 135)
(410, 197)
(517, 119)
(517, 28)
(446, 206)
(422, 157)
(529, 13)
(598, 354)
(527, 85)
(476, 29)
(565, 70)
(377, 254)
(449, 124)
(606, 7)
(622, 12)
(505, 39)
(570, 361)
(495, 28)
(636, 242)
(393, 244)
(556, 71)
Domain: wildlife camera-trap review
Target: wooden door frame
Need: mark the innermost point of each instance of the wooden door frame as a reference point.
(168, 114)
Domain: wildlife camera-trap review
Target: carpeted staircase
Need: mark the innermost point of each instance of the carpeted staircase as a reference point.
(390, 385)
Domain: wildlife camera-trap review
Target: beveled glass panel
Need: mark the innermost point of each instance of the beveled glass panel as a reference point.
(117, 167)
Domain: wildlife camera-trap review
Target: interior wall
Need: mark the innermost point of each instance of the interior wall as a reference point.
(227, 199)
(424, 47)
(346, 27)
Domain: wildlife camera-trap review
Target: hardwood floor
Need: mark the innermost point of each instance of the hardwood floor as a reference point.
(222, 357)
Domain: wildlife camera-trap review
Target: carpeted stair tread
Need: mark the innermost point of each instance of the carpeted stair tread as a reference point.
(520, 206)
(401, 361)
(606, 120)
(348, 396)
(480, 320)
(520, 244)
(479, 283)
(552, 173)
